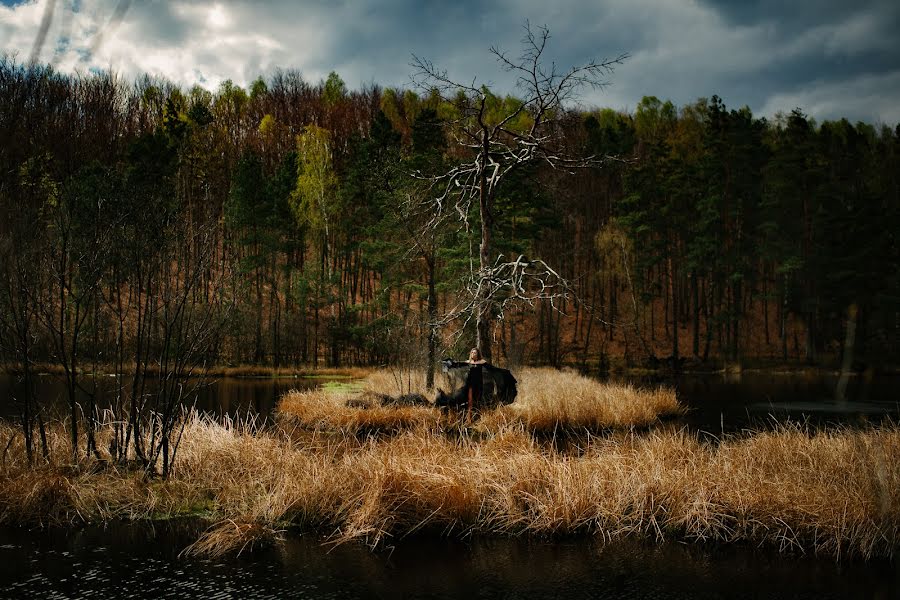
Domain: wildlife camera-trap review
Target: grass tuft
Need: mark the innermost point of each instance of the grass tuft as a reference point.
(550, 399)
(229, 537)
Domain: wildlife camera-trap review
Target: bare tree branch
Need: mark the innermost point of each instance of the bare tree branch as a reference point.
(499, 145)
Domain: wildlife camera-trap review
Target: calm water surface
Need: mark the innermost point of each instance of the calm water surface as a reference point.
(141, 561)
(761, 400)
(717, 403)
(233, 396)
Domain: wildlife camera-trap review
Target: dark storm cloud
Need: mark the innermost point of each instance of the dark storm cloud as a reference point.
(831, 58)
(836, 38)
(798, 14)
(843, 52)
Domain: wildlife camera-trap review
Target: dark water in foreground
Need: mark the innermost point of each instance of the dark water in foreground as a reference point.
(141, 561)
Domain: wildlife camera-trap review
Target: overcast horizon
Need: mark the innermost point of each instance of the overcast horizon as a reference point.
(831, 59)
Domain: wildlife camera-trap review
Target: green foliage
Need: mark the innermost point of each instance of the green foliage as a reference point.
(36, 180)
(258, 88)
(721, 214)
(258, 209)
(268, 125)
(334, 89)
(314, 201)
(609, 133)
(246, 204)
(231, 100)
(498, 109)
(175, 120)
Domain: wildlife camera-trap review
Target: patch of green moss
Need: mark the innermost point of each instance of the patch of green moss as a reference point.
(342, 387)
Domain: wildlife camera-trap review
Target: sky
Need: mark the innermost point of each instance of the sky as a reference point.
(830, 58)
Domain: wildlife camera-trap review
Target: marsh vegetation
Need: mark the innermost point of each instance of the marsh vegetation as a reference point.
(376, 475)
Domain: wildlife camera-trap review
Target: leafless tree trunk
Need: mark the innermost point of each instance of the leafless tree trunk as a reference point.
(498, 145)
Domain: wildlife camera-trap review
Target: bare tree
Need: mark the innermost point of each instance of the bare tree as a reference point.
(20, 250)
(497, 143)
(76, 258)
(191, 320)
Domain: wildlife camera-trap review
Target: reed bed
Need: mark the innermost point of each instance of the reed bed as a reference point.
(327, 467)
(266, 371)
(322, 410)
(833, 492)
(548, 401)
(396, 382)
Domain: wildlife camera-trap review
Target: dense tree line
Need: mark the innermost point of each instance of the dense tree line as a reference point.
(760, 238)
(144, 223)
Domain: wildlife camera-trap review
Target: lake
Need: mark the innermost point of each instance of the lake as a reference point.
(141, 560)
(760, 400)
(716, 403)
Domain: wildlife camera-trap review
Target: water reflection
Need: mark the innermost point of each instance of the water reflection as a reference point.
(142, 561)
(717, 403)
(730, 403)
(233, 396)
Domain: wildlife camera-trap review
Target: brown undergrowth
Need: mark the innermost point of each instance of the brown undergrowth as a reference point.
(833, 492)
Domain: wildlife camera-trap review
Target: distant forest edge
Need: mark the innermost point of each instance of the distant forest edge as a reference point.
(141, 223)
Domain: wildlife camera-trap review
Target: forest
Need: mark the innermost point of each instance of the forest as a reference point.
(146, 226)
(151, 235)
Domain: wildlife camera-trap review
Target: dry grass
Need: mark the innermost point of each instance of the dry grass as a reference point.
(548, 400)
(834, 492)
(396, 382)
(321, 410)
(265, 371)
(231, 537)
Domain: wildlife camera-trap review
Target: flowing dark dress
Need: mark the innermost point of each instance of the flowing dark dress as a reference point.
(475, 385)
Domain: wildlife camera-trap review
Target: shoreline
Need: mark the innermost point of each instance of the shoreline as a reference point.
(237, 372)
(378, 474)
(308, 372)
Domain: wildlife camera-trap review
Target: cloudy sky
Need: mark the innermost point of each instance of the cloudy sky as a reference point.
(832, 58)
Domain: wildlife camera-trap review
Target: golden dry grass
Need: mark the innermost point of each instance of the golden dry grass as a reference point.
(548, 400)
(267, 371)
(835, 492)
(323, 410)
(396, 382)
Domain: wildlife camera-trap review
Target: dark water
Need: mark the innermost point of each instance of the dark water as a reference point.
(233, 396)
(720, 403)
(141, 561)
(716, 403)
